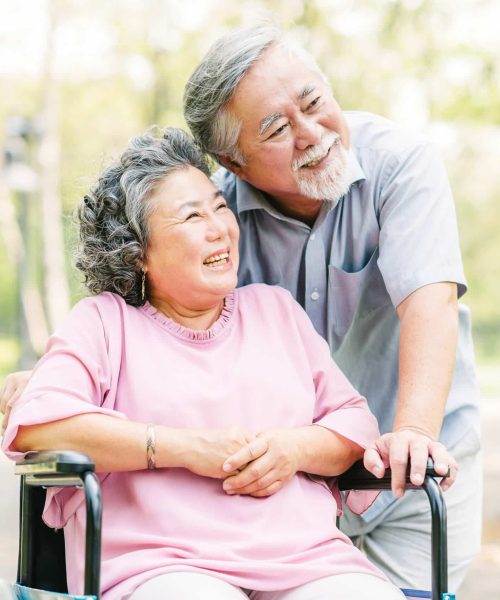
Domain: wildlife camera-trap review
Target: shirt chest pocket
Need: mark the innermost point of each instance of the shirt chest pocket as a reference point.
(353, 295)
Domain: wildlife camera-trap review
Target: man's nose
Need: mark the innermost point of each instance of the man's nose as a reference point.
(307, 132)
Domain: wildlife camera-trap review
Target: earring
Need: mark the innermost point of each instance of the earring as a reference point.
(143, 285)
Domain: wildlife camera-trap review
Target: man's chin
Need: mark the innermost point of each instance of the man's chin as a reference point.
(324, 191)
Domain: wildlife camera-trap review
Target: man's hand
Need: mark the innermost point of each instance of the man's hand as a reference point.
(266, 464)
(394, 450)
(12, 388)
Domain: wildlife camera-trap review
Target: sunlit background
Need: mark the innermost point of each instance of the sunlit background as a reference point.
(78, 78)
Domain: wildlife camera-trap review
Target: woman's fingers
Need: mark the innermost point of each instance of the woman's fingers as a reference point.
(253, 481)
(253, 450)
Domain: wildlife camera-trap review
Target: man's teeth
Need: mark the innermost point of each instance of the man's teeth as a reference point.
(217, 259)
(314, 162)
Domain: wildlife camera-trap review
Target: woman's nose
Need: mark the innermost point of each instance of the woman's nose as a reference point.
(217, 227)
(307, 132)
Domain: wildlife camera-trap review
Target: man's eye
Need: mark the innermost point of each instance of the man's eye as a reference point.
(221, 205)
(193, 215)
(279, 130)
(314, 103)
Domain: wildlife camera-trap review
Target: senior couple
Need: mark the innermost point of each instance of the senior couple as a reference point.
(246, 418)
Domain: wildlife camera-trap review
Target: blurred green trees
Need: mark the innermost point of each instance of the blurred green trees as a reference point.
(120, 66)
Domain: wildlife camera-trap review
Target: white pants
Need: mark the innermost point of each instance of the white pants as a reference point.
(196, 586)
(398, 541)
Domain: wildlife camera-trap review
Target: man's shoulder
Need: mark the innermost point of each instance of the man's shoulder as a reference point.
(371, 132)
(224, 180)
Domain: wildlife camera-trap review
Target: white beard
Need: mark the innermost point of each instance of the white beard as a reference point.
(329, 184)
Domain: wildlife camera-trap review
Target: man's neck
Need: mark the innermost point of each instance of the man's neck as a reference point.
(300, 208)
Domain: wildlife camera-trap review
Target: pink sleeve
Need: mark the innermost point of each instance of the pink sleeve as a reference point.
(339, 407)
(74, 377)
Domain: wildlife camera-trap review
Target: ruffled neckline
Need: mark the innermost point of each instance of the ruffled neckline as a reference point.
(195, 335)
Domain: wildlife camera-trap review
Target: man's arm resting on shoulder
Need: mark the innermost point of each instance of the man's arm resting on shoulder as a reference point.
(427, 351)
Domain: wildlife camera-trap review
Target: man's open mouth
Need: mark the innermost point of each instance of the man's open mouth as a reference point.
(316, 160)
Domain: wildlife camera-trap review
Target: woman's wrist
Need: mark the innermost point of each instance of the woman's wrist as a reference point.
(172, 446)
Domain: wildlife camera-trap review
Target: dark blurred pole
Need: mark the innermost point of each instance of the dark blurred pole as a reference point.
(21, 180)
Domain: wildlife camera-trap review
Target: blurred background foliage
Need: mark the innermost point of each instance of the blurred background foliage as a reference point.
(80, 77)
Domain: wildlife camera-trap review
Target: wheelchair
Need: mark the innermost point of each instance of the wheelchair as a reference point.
(41, 565)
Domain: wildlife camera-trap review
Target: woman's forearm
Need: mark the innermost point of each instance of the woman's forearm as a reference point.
(325, 452)
(113, 444)
(116, 444)
(269, 461)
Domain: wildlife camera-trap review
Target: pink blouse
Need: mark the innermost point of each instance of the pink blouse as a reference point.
(261, 365)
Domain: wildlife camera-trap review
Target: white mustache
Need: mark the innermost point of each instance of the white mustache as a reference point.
(329, 140)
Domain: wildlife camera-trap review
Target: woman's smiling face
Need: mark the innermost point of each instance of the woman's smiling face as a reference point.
(192, 255)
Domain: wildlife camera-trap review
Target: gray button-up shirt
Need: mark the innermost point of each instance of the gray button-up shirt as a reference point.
(392, 233)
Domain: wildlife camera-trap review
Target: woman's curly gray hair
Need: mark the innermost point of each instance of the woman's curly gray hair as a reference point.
(113, 217)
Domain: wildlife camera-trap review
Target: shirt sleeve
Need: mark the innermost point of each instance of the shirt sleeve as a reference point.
(339, 407)
(74, 377)
(418, 230)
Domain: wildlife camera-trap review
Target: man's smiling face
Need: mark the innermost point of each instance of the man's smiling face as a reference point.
(293, 135)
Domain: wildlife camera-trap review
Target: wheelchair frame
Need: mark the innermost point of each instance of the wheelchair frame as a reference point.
(70, 469)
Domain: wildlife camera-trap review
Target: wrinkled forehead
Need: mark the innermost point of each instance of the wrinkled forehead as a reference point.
(279, 76)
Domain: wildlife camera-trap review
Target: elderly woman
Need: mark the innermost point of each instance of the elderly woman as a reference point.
(214, 415)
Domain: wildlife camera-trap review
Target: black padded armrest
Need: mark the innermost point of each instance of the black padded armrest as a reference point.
(64, 462)
(60, 469)
(358, 478)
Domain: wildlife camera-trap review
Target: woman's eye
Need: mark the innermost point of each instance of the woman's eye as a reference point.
(192, 216)
(221, 205)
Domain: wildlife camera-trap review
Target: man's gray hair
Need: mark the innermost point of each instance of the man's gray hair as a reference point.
(113, 217)
(214, 81)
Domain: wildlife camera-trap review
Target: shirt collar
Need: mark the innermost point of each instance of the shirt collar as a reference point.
(250, 198)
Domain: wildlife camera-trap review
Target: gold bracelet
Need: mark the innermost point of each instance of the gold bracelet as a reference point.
(151, 446)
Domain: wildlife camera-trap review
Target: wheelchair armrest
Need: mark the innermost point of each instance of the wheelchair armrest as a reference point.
(358, 478)
(48, 463)
(61, 469)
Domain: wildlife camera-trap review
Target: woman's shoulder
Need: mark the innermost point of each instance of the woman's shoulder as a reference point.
(106, 310)
(259, 294)
(104, 303)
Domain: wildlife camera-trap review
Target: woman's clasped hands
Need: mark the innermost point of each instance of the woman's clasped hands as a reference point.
(250, 464)
(264, 465)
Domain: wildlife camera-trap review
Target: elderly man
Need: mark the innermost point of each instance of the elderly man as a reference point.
(356, 219)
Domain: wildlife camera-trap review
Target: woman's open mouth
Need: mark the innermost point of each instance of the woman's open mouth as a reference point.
(217, 260)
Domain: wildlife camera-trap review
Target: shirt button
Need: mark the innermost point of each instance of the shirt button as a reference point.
(312, 237)
(314, 295)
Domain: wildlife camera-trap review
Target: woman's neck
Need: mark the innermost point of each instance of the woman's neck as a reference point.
(198, 319)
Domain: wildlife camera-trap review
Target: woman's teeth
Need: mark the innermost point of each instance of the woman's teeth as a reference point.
(217, 260)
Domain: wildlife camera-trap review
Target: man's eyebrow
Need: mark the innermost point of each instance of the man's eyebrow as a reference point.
(268, 121)
(310, 87)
